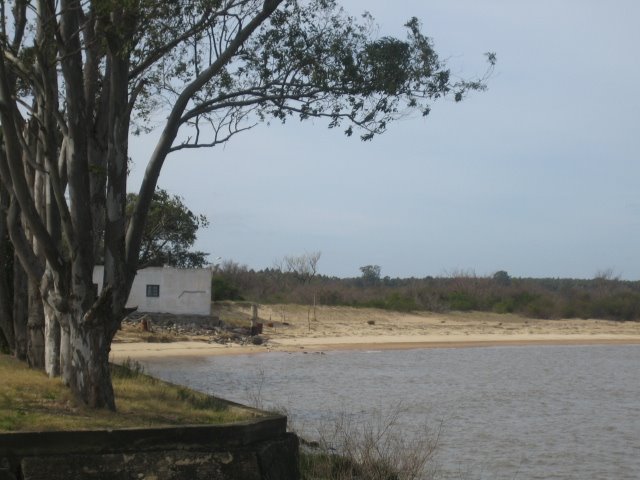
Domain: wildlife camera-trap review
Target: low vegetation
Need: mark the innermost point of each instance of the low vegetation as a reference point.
(377, 450)
(30, 401)
(603, 297)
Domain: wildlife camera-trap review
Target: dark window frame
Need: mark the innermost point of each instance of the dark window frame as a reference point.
(153, 290)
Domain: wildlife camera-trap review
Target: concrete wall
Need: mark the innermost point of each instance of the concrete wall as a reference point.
(185, 291)
(260, 449)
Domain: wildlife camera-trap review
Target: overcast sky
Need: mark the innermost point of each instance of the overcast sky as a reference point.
(538, 176)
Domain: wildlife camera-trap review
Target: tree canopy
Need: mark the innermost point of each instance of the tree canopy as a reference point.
(371, 274)
(78, 77)
(169, 233)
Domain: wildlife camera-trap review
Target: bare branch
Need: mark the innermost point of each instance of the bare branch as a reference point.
(217, 140)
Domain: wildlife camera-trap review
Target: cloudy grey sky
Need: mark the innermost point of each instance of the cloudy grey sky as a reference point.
(538, 176)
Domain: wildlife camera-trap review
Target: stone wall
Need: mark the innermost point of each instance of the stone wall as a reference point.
(259, 449)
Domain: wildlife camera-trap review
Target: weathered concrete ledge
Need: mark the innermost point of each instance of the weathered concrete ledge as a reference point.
(259, 449)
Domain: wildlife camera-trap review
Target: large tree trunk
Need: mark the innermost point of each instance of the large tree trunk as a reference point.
(84, 357)
(20, 310)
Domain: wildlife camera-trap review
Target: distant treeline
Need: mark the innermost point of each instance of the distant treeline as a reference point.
(603, 297)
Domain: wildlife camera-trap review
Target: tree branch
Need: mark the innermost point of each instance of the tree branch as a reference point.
(160, 52)
(12, 168)
(136, 226)
(21, 245)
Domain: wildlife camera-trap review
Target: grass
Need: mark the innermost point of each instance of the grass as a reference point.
(30, 401)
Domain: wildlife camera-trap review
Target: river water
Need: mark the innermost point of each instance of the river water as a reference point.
(530, 412)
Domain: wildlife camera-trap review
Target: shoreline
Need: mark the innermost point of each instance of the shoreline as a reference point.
(149, 351)
(292, 328)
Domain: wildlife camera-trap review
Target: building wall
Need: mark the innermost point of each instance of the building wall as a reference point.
(185, 291)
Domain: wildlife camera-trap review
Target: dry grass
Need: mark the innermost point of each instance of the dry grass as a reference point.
(376, 451)
(235, 314)
(30, 401)
(299, 320)
(348, 321)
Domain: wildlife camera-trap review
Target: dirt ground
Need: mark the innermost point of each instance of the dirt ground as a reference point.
(290, 327)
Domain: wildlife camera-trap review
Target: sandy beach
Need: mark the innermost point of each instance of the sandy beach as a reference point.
(293, 328)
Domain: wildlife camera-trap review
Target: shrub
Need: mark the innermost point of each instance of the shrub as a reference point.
(622, 306)
(374, 451)
(462, 301)
(223, 289)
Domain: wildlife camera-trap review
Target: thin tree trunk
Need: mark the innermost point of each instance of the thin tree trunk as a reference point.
(52, 334)
(7, 336)
(4, 344)
(51, 323)
(35, 328)
(20, 309)
(66, 369)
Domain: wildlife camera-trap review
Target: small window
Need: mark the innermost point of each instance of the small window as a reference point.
(153, 290)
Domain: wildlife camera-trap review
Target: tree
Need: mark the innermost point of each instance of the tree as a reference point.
(303, 267)
(371, 274)
(21, 310)
(228, 281)
(501, 277)
(169, 233)
(77, 77)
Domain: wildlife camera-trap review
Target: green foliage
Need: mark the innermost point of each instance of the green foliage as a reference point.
(539, 298)
(333, 68)
(170, 232)
(387, 64)
(127, 369)
(370, 274)
(462, 301)
(198, 400)
(502, 278)
(622, 306)
(540, 307)
(515, 302)
(330, 297)
(223, 289)
(394, 301)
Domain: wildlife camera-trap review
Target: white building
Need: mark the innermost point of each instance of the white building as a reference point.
(181, 291)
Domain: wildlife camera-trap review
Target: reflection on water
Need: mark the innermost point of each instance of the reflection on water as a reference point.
(553, 412)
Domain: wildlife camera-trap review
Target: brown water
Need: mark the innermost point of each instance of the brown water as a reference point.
(556, 412)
